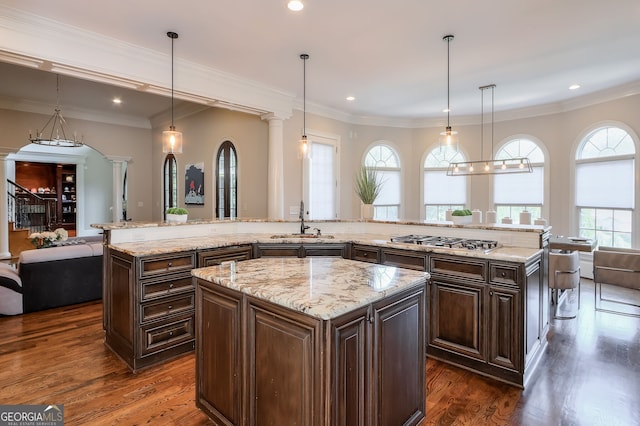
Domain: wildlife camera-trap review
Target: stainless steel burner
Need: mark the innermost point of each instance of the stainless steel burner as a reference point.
(447, 242)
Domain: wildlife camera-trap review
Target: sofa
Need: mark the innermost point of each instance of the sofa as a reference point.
(52, 277)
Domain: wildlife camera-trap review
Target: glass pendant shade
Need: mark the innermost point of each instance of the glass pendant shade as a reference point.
(172, 141)
(304, 150)
(449, 137)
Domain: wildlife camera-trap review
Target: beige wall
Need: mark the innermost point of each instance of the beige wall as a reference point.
(205, 131)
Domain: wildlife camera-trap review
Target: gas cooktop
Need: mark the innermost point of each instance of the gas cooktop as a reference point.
(447, 242)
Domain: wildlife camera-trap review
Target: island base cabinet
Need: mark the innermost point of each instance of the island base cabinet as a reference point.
(259, 363)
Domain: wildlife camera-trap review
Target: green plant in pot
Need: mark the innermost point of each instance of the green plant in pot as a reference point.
(367, 187)
(461, 216)
(177, 214)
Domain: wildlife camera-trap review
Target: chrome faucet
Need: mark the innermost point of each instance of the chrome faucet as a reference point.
(301, 217)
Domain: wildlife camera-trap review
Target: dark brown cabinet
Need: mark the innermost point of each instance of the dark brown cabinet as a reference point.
(301, 250)
(408, 259)
(363, 253)
(478, 310)
(216, 256)
(373, 375)
(149, 306)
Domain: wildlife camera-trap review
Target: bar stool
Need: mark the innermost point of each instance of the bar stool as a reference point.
(564, 274)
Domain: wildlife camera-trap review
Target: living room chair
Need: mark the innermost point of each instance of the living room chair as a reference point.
(616, 267)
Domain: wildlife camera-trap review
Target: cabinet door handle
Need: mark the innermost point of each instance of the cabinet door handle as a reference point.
(504, 274)
(171, 285)
(370, 319)
(171, 333)
(365, 254)
(170, 307)
(169, 265)
(490, 293)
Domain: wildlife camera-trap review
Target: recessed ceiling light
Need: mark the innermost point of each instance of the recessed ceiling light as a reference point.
(351, 98)
(117, 101)
(574, 87)
(295, 5)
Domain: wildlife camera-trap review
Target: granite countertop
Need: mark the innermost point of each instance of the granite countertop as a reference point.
(322, 287)
(144, 248)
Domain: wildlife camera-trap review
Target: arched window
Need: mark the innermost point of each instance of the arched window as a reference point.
(514, 193)
(226, 181)
(385, 161)
(605, 186)
(442, 192)
(170, 182)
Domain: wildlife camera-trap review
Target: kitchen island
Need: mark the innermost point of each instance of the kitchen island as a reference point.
(311, 341)
(488, 308)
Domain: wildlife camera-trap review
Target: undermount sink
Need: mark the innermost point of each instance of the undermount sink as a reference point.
(300, 236)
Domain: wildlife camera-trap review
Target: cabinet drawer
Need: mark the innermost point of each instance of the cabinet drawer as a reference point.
(458, 267)
(164, 307)
(323, 250)
(159, 288)
(224, 254)
(503, 274)
(279, 250)
(403, 259)
(157, 337)
(365, 254)
(170, 263)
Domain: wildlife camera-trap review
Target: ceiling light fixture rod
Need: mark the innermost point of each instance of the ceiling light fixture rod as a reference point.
(304, 143)
(448, 137)
(171, 139)
(172, 35)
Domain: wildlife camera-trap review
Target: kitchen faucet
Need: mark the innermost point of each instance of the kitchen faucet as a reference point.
(302, 225)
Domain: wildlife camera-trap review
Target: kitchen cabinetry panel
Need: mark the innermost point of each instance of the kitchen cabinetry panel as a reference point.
(365, 253)
(366, 367)
(456, 318)
(404, 259)
(278, 250)
(487, 315)
(224, 254)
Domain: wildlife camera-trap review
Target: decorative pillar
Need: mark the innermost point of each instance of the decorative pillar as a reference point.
(4, 216)
(275, 177)
(118, 186)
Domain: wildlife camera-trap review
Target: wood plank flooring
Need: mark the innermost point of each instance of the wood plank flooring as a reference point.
(589, 375)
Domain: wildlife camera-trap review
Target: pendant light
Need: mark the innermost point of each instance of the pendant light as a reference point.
(57, 136)
(448, 137)
(304, 149)
(171, 139)
(490, 166)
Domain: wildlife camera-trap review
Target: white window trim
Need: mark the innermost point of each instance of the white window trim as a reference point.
(401, 207)
(329, 139)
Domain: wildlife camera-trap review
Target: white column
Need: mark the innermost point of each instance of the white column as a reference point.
(116, 212)
(4, 216)
(275, 177)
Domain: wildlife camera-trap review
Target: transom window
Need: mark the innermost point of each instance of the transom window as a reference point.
(515, 193)
(442, 192)
(605, 186)
(384, 160)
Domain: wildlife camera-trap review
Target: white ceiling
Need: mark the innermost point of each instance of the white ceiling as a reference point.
(389, 55)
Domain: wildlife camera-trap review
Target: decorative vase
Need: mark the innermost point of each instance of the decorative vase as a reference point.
(178, 218)
(366, 211)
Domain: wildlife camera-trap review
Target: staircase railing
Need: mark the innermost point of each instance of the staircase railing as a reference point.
(28, 210)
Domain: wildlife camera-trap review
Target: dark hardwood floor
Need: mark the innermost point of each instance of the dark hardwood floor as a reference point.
(589, 375)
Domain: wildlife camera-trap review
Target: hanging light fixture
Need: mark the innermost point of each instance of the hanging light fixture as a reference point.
(304, 143)
(171, 139)
(448, 137)
(57, 136)
(490, 166)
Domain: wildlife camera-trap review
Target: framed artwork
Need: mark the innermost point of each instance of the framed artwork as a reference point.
(194, 184)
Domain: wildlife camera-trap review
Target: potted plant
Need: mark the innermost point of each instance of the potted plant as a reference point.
(367, 188)
(177, 214)
(461, 217)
